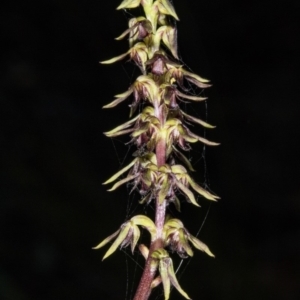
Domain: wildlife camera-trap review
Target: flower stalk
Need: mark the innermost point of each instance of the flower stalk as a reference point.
(161, 135)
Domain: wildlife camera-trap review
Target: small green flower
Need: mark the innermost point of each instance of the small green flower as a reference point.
(167, 273)
(178, 74)
(144, 88)
(139, 28)
(128, 234)
(177, 237)
(161, 182)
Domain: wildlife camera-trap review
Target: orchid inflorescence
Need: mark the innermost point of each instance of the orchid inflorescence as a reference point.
(161, 135)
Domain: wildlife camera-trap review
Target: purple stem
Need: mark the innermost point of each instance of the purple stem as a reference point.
(144, 289)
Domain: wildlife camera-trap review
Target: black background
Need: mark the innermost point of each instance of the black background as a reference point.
(55, 157)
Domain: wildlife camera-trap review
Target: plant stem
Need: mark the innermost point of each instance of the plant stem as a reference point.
(144, 289)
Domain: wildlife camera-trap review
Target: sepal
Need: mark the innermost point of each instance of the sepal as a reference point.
(183, 158)
(120, 98)
(138, 53)
(114, 59)
(123, 232)
(200, 245)
(165, 7)
(201, 190)
(118, 174)
(187, 192)
(121, 128)
(169, 38)
(168, 35)
(196, 120)
(119, 183)
(129, 4)
(145, 222)
(201, 139)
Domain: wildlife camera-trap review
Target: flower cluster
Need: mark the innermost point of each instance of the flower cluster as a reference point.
(161, 135)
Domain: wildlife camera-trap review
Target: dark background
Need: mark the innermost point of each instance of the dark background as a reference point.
(54, 156)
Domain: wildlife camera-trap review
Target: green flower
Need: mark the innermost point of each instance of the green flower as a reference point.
(139, 28)
(144, 88)
(167, 274)
(161, 182)
(177, 237)
(179, 74)
(128, 234)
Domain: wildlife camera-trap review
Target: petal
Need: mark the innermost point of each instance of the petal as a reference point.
(146, 199)
(176, 202)
(147, 179)
(149, 84)
(184, 243)
(141, 130)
